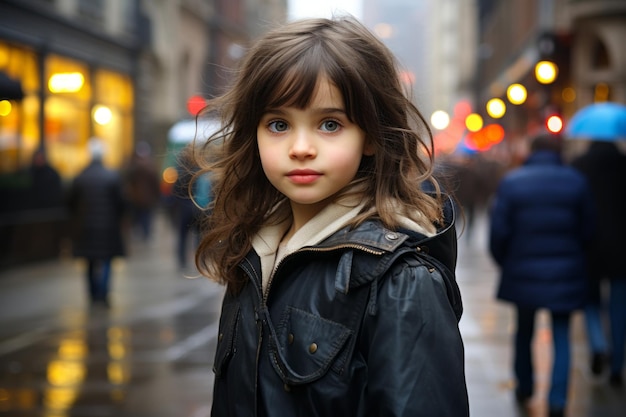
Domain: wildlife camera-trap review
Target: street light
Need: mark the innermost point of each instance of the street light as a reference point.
(546, 72)
(496, 108)
(516, 93)
(474, 122)
(440, 119)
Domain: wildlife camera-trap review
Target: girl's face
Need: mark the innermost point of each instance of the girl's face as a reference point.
(310, 154)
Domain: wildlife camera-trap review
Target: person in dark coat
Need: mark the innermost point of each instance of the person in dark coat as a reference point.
(541, 222)
(142, 189)
(98, 209)
(604, 165)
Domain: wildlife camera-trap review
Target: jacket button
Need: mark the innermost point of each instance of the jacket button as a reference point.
(290, 338)
(286, 387)
(391, 236)
(313, 348)
(220, 337)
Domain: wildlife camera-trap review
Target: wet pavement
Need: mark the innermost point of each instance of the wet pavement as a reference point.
(150, 354)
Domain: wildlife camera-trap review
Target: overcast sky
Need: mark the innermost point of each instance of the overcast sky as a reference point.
(299, 9)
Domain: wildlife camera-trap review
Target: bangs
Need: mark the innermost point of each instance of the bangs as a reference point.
(295, 85)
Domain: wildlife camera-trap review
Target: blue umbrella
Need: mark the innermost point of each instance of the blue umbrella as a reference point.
(599, 121)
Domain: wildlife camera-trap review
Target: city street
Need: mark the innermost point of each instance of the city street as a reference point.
(151, 353)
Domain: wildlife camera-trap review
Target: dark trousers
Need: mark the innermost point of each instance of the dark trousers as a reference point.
(523, 360)
(98, 278)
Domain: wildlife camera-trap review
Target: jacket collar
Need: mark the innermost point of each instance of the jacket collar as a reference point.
(543, 158)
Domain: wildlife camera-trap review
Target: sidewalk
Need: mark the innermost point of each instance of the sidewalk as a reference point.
(149, 355)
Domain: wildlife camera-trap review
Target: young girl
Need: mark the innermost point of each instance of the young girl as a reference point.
(336, 246)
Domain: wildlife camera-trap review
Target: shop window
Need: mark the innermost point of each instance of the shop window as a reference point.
(112, 115)
(19, 126)
(66, 124)
(67, 130)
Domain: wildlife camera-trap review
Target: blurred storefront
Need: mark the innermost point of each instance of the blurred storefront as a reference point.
(75, 72)
(65, 101)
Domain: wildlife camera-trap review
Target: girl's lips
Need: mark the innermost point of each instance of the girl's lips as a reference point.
(303, 176)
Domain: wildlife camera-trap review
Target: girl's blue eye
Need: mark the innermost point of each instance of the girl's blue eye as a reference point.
(330, 126)
(278, 126)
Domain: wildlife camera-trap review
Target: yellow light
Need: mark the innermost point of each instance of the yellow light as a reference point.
(170, 175)
(66, 82)
(62, 372)
(474, 122)
(102, 115)
(545, 72)
(5, 107)
(440, 119)
(496, 108)
(118, 373)
(516, 93)
(60, 398)
(72, 349)
(568, 94)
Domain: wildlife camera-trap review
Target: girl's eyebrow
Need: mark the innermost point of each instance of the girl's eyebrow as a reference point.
(329, 110)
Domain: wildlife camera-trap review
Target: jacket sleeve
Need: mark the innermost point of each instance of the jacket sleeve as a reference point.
(414, 351)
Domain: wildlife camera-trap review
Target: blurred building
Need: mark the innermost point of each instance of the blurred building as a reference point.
(580, 43)
(120, 70)
(435, 42)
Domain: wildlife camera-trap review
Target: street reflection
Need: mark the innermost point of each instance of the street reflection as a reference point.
(79, 356)
(65, 374)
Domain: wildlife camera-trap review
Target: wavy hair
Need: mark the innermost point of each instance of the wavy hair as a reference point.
(283, 68)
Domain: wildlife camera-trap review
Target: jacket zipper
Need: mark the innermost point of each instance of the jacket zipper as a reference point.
(315, 249)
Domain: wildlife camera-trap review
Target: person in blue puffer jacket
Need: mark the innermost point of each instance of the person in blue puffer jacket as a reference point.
(541, 222)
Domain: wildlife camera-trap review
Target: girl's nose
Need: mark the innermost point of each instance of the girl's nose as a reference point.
(302, 146)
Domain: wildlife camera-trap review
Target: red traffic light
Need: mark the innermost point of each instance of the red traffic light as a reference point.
(195, 104)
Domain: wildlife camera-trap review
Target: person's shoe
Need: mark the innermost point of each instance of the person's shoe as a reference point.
(598, 363)
(556, 412)
(615, 380)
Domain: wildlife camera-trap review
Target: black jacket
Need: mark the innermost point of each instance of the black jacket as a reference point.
(604, 165)
(98, 208)
(363, 324)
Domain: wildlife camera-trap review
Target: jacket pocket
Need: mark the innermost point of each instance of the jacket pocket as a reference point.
(305, 346)
(226, 337)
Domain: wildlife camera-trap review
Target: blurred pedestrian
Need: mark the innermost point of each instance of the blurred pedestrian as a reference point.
(541, 223)
(98, 211)
(143, 189)
(185, 211)
(341, 295)
(604, 165)
(46, 185)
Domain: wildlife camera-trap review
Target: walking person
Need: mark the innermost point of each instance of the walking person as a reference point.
(604, 165)
(98, 210)
(142, 189)
(540, 225)
(340, 268)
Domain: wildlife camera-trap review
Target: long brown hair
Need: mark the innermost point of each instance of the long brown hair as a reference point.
(283, 69)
